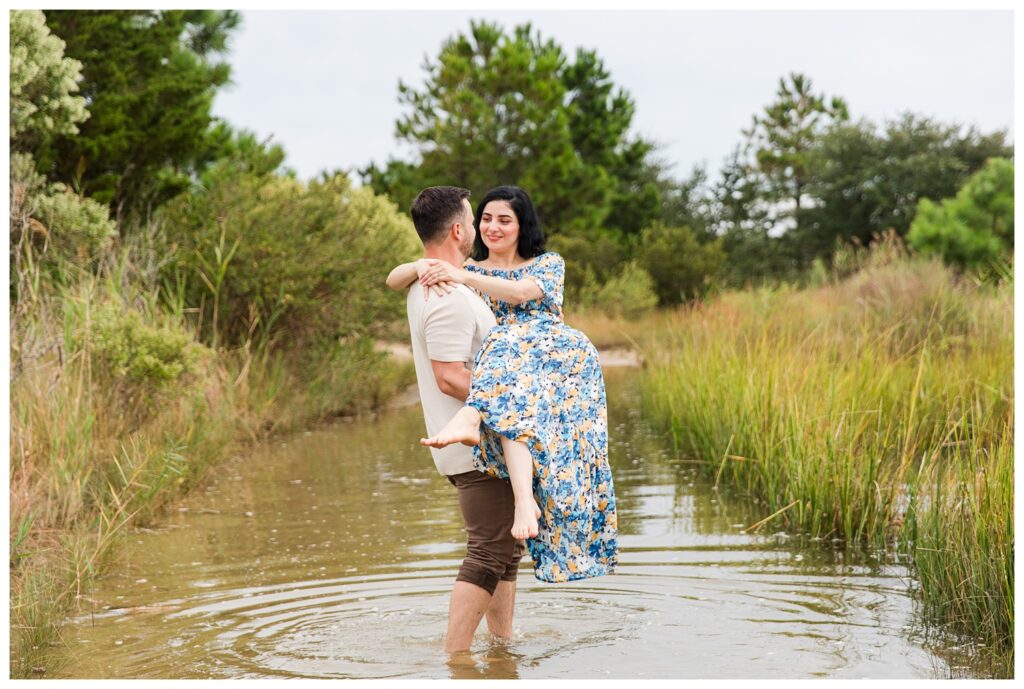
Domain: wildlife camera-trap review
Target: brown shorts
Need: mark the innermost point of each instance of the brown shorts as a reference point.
(488, 509)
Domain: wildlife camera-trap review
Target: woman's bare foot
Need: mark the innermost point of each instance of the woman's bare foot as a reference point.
(525, 523)
(463, 428)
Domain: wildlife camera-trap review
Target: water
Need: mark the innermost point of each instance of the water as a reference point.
(332, 554)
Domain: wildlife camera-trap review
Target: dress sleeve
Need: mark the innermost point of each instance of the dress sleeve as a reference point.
(549, 274)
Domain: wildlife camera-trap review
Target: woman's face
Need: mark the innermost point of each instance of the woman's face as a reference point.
(499, 227)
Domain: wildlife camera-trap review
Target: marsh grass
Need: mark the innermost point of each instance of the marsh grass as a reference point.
(611, 332)
(96, 449)
(875, 409)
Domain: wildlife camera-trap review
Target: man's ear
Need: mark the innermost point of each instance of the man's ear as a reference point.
(456, 232)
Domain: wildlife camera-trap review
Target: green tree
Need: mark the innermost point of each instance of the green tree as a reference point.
(51, 228)
(975, 228)
(500, 108)
(262, 254)
(599, 120)
(680, 266)
(591, 258)
(688, 202)
(43, 83)
(242, 152)
(783, 137)
(149, 77)
(865, 181)
(733, 210)
(627, 293)
(401, 181)
(736, 197)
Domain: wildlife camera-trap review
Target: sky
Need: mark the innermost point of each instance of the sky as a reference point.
(324, 84)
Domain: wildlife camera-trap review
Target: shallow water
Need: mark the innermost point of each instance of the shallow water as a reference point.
(332, 554)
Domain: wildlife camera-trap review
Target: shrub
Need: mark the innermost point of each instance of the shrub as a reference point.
(42, 82)
(131, 348)
(51, 227)
(629, 293)
(78, 229)
(268, 254)
(680, 266)
(588, 259)
(973, 229)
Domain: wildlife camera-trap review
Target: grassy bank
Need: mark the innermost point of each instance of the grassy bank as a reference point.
(876, 409)
(116, 410)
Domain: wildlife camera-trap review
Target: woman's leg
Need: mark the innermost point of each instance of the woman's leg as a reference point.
(520, 473)
(463, 428)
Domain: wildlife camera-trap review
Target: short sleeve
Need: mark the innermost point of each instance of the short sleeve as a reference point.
(548, 272)
(448, 327)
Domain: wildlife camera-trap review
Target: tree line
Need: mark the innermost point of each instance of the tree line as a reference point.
(501, 107)
(115, 148)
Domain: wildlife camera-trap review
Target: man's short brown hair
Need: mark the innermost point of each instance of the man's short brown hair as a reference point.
(434, 209)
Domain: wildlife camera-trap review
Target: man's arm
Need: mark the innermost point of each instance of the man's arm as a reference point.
(452, 378)
(449, 327)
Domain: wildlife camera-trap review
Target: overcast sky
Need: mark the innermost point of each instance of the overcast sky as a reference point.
(325, 83)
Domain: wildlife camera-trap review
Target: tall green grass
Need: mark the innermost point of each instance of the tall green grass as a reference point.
(876, 409)
(96, 449)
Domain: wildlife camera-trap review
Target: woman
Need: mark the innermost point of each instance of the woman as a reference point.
(537, 385)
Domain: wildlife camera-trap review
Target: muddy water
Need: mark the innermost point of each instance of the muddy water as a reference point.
(332, 554)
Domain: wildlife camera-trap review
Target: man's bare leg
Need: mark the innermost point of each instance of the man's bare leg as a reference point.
(520, 474)
(499, 612)
(467, 607)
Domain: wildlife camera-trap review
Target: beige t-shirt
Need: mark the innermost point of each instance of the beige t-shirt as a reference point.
(448, 328)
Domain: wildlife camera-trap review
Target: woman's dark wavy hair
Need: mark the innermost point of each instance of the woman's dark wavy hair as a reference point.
(531, 236)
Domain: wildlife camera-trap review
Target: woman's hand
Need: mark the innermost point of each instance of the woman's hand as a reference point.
(440, 287)
(438, 271)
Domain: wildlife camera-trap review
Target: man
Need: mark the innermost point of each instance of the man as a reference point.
(447, 329)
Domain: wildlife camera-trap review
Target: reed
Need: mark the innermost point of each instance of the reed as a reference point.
(875, 409)
(607, 331)
(94, 452)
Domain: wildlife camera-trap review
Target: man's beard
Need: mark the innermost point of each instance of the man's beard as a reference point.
(466, 249)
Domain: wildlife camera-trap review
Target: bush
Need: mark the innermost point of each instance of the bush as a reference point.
(42, 83)
(753, 258)
(268, 254)
(629, 293)
(973, 229)
(149, 355)
(58, 227)
(78, 229)
(26, 184)
(588, 259)
(680, 266)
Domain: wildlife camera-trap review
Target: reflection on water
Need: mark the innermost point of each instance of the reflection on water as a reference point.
(332, 554)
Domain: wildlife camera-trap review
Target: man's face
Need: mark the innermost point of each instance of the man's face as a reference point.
(468, 230)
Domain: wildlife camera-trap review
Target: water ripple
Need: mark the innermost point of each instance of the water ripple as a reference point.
(334, 554)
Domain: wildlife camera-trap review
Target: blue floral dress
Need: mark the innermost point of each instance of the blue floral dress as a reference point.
(538, 381)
